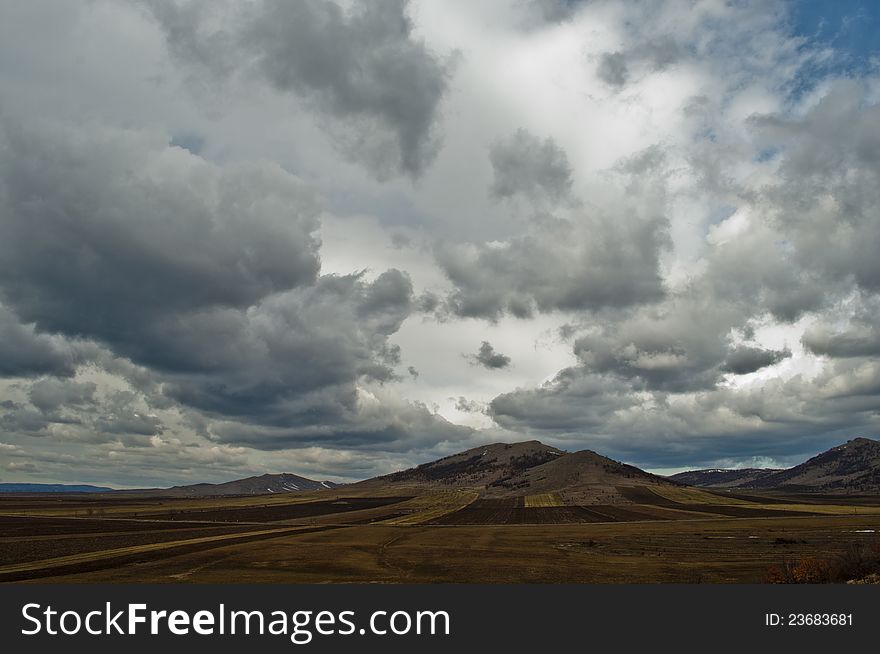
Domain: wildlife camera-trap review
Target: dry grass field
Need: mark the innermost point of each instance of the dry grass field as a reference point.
(665, 535)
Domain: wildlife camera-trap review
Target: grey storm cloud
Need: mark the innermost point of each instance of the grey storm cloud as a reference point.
(25, 352)
(658, 429)
(744, 360)
(488, 358)
(677, 346)
(20, 419)
(574, 401)
(206, 276)
(858, 341)
(338, 327)
(77, 406)
(107, 233)
(130, 422)
(49, 394)
(558, 266)
(373, 426)
(860, 338)
(526, 165)
(362, 66)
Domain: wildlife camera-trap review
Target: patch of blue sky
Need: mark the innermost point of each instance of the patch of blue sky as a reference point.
(767, 154)
(192, 142)
(847, 30)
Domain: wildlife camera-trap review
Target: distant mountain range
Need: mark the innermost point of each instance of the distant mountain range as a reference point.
(52, 488)
(261, 485)
(532, 468)
(853, 467)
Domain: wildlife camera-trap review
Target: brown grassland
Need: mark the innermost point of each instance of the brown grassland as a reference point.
(661, 535)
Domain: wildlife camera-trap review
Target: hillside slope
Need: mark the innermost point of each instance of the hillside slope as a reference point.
(723, 478)
(529, 468)
(853, 467)
(261, 485)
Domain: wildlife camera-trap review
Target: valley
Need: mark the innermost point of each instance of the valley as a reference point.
(502, 513)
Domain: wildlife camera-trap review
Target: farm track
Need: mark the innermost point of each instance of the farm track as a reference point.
(91, 561)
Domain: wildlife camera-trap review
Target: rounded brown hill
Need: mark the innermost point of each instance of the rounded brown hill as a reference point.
(853, 467)
(480, 466)
(527, 468)
(578, 478)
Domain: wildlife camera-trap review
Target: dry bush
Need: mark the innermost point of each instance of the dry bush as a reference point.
(855, 562)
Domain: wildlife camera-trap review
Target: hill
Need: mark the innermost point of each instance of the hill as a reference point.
(52, 488)
(480, 466)
(853, 467)
(528, 468)
(261, 485)
(583, 477)
(723, 478)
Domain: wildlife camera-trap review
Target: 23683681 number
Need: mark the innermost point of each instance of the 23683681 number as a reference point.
(819, 619)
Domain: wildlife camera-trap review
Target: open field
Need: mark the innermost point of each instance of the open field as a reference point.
(666, 535)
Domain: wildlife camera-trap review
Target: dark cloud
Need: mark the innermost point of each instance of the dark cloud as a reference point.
(662, 430)
(293, 359)
(558, 266)
(22, 420)
(487, 357)
(50, 394)
(860, 338)
(370, 425)
(677, 346)
(573, 402)
(24, 352)
(362, 66)
(86, 415)
(528, 166)
(860, 341)
(744, 360)
(108, 233)
(129, 422)
(204, 279)
(120, 413)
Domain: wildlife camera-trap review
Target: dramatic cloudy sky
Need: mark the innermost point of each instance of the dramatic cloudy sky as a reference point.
(339, 239)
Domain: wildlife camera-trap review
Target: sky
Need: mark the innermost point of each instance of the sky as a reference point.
(343, 238)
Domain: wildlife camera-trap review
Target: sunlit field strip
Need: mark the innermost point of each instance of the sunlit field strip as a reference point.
(432, 506)
(696, 496)
(543, 500)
